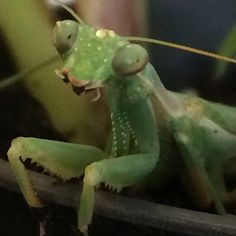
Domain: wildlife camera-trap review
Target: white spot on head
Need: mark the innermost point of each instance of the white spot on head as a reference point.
(112, 33)
(128, 46)
(101, 33)
(68, 23)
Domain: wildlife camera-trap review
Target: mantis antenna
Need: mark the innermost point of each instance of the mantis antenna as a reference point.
(11, 80)
(160, 42)
(70, 11)
(19, 76)
(182, 47)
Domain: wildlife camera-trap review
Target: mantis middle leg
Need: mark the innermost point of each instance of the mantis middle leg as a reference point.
(203, 150)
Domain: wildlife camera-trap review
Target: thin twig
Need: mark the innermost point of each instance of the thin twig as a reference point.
(125, 208)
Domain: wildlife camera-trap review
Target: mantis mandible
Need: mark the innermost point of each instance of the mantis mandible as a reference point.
(189, 136)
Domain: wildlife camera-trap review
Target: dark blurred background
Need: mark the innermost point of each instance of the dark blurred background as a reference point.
(199, 24)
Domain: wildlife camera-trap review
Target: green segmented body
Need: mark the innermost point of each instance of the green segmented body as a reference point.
(133, 123)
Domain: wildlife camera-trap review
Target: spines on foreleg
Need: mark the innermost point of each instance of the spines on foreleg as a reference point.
(64, 160)
(14, 156)
(116, 173)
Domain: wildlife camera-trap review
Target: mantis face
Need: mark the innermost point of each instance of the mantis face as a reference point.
(91, 57)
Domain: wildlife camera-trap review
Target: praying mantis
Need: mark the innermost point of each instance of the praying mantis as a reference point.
(188, 135)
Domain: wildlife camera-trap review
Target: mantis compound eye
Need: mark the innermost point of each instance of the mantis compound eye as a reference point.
(129, 59)
(64, 35)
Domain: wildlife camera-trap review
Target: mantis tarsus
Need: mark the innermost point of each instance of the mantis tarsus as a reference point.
(189, 136)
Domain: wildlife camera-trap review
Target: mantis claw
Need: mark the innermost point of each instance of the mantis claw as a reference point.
(92, 179)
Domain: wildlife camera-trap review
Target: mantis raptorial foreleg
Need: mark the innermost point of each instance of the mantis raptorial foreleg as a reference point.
(61, 159)
(116, 173)
(65, 160)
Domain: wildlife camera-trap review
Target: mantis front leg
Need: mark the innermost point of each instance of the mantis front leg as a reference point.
(117, 173)
(67, 160)
(61, 159)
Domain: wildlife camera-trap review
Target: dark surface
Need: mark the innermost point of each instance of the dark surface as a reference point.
(141, 216)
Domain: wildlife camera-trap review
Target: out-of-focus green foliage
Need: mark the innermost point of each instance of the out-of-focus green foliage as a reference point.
(227, 48)
(27, 26)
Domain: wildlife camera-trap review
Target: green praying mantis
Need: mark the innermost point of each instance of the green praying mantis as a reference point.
(187, 135)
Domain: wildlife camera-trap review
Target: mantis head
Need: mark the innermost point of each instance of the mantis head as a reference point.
(92, 57)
